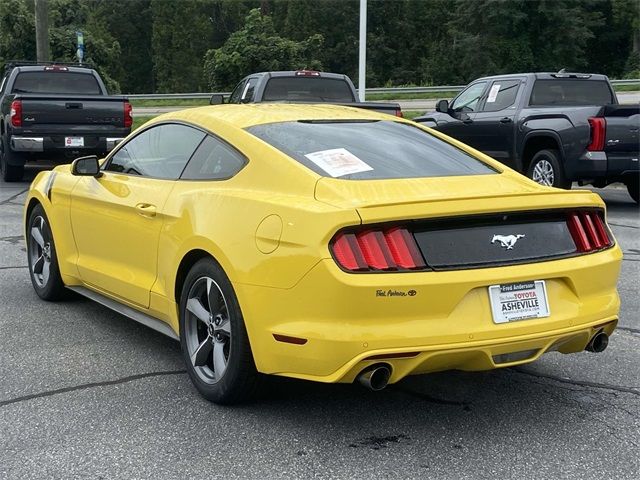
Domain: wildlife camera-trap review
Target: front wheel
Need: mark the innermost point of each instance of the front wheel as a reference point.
(632, 188)
(41, 255)
(213, 337)
(546, 169)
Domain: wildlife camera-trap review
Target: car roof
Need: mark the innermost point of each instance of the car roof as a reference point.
(247, 115)
(547, 76)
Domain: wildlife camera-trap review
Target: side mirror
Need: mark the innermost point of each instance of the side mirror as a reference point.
(216, 99)
(86, 166)
(442, 106)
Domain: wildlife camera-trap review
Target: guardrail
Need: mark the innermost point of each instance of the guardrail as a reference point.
(390, 90)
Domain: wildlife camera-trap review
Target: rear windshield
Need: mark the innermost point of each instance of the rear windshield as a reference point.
(56, 82)
(570, 92)
(368, 150)
(307, 89)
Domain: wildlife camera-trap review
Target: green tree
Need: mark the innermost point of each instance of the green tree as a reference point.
(17, 31)
(257, 47)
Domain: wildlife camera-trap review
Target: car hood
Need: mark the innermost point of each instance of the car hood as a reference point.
(396, 199)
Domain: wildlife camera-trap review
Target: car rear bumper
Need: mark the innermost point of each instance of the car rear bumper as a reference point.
(600, 165)
(341, 321)
(35, 144)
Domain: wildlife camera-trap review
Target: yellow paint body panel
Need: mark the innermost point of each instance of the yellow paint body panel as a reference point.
(269, 228)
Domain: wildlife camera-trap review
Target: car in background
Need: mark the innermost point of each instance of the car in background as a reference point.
(302, 86)
(324, 243)
(557, 128)
(56, 112)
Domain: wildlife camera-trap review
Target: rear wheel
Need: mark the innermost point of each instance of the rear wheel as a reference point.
(546, 169)
(9, 173)
(632, 188)
(213, 337)
(41, 255)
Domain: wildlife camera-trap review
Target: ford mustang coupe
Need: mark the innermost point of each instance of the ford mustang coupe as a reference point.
(324, 243)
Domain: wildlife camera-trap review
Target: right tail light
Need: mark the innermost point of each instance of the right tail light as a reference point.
(598, 133)
(589, 231)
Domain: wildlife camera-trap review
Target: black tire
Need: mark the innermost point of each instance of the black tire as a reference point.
(632, 187)
(9, 173)
(546, 169)
(42, 257)
(239, 379)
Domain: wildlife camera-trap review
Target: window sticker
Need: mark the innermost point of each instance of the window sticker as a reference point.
(493, 93)
(338, 162)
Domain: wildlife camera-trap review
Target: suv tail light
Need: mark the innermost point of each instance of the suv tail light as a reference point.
(16, 113)
(588, 231)
(389, 249)
(128, 118)
(598, 132)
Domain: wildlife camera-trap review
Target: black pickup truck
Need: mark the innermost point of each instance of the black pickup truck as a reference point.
(554, 127)
(55, 113)
(302, 86)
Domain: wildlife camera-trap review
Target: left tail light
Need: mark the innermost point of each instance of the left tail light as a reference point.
(589, 231)
(389, 249)
(16, 113)
(128, 115)
(598, 127)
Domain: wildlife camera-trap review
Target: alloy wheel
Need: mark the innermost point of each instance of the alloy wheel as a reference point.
(207, 330)
(543, 173)
(40, 251)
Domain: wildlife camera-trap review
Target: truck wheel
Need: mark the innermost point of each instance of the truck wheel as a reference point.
(632, 188)
(213, 337)
(9, 173)
(546, 169)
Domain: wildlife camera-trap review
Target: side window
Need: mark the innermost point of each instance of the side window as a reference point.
(213, 160)
(237, 92)
(160, 152)
(502, 94)
(249, 90)
(467, 101)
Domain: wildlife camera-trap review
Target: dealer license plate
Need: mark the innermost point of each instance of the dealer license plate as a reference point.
(71, 142)
(518, 301)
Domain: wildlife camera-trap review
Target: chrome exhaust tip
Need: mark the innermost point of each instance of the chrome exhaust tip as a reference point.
(598, 343)
(376, 377)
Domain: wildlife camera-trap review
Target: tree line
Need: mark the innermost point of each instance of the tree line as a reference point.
(149, 46)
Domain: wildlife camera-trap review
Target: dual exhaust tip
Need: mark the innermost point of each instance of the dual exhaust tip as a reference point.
(375, 377)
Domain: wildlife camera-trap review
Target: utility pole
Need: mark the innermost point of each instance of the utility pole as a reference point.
(362, 60)
(42, 30)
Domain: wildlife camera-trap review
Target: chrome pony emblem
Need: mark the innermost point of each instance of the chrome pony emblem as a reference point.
(507, 241)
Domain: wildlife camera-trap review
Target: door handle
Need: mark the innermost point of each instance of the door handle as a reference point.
(505, 120)
(146, 209)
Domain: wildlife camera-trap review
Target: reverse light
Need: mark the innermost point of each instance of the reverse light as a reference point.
(588, 231)
(389, 249)
(16, 113)
(128, 115)
(598, 133)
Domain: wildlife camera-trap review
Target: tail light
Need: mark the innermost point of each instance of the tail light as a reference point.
(389, 249)
(128, 117)
(16, 113)
(399, 113)
(598, 131)
(588, 231)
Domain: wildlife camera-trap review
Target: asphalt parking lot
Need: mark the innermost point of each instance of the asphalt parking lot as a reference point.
(87, 393)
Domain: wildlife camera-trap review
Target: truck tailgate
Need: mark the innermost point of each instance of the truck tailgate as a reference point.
(623, 128)
(74, 110)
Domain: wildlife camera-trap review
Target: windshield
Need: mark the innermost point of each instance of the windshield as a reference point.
(56, 82)
(368, 150)
(307, 89)
(571, 92)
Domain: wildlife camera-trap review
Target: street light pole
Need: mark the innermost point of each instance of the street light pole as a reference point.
(42, 30)
(362, 59)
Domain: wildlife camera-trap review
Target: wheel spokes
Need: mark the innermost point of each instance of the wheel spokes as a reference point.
(212, 297)
(36, 234)
(45, 272)
(219, 360)
(201, 355)
(38, 265)
(223, 327)
(195, 307)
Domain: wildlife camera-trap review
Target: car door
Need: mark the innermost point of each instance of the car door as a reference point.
(493, 124)
(459, 121)
(117, 217)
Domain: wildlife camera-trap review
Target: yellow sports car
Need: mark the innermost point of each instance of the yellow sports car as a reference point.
(324, 243)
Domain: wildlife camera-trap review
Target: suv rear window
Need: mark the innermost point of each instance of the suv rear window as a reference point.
(307, 89)
(368, 150)
(56, 82)
(570, 92)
